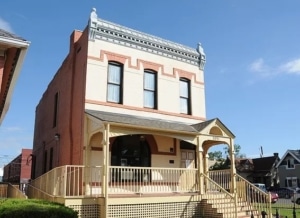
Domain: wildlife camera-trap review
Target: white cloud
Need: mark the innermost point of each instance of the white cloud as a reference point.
(11, 129)
(258, 65)
(260, 68)
(1, 171)
(5, 25)
(291, 67)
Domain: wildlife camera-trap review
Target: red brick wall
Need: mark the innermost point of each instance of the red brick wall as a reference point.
(26, 164)
(5, 71)
(69, 82)
(2, 61)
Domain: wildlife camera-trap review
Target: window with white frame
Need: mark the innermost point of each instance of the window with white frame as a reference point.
(185, 96)
(114, 82)
(291, 182)
(150, 96)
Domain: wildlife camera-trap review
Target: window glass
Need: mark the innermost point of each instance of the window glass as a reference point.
(149, 89)
(290, 163)
(114, 86)
(185, 96)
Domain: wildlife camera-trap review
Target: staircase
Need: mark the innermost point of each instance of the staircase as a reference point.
(219, 205)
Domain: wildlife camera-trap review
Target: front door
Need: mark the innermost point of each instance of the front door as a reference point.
(187, 159)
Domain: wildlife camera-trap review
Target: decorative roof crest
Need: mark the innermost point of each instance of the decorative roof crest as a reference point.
(117, 34)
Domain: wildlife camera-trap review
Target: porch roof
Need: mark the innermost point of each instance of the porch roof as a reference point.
(141, 121)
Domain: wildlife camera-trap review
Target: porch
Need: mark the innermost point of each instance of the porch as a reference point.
(167, 192)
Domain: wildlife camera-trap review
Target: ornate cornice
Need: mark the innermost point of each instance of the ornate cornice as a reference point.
(104, 30)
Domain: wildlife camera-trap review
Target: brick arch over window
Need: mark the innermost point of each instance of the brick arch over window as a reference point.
(111, 57)
(150, 66)
(150, 70)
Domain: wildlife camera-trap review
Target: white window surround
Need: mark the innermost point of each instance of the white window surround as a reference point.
(291, 182)
(290, 164)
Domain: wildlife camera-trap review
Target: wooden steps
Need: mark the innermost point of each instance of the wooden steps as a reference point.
(220, 205)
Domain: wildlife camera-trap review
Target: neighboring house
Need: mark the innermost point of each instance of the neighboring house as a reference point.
(244, 167)
(258, 170)
(121, 130)
(289, 169)
(265, 170)
(18, 171)
(12, 53)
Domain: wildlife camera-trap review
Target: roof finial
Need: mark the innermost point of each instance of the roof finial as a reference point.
(93, 24)
(93, 14)
(202, 56)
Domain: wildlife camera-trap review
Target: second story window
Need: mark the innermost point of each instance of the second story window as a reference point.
(150, 97)
(55, 109)
(290, 163)
(185, 96)
(114, 83)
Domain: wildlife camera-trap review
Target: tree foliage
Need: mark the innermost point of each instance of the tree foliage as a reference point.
(222, 161)
(215, 155)
(237, 150)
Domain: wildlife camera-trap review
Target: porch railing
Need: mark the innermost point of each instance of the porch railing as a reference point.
(67, 181)
(259, 200)
(84, 181)
(13, 191)
(223, 201)
(152, 180)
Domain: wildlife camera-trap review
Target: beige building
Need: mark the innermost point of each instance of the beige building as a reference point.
(121, 130)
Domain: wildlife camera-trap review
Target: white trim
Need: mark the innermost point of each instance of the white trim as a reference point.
(15, 42)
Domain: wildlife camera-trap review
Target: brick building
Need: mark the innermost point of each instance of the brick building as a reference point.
(18, 171)
(124, 117)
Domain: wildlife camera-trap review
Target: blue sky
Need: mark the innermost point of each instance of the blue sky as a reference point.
(252, 73)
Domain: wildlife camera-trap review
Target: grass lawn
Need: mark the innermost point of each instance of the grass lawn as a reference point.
(283, 212)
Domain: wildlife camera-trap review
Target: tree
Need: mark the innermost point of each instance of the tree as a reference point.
(222, 161)
(215, 155)
(237, 149)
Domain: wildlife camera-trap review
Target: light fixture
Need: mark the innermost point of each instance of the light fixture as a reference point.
(57, 136)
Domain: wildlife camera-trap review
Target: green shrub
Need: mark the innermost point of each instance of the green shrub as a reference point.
(33, 208)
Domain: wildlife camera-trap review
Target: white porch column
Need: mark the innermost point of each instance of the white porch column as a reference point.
(232, 166)
(105, 165)
(105, 161)
(206, 164)
(233, 175)
(200, 165)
